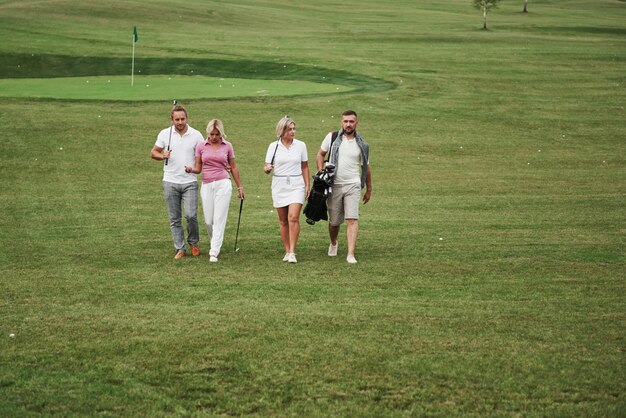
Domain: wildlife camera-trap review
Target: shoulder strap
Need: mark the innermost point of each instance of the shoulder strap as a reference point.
(275, 149)
(334, 136)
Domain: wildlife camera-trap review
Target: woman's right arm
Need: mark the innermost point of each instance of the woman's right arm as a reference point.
(267, 168)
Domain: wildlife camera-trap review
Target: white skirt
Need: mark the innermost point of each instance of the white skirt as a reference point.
(287, 190)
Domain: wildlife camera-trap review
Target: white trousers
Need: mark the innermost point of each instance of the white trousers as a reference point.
(215, 203)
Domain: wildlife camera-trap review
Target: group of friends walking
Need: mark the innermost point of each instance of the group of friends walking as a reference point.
(186, 153)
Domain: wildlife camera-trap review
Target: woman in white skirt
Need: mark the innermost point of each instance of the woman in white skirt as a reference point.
(288, 158)
(215, 158)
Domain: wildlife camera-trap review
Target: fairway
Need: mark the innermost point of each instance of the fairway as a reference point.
(158, 88)
(491, 274)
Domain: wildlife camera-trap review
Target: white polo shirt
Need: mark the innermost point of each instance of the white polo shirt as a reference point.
(349, 162)
(183, 153)
(288, 161)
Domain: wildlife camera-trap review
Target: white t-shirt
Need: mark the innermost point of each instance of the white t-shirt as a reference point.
(183, 153)
(349, 162)
(288, 162)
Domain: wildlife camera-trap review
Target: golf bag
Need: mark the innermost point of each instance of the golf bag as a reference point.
(316, 209)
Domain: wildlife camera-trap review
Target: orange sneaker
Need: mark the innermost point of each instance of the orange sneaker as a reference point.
(180, 254)
(195, 250)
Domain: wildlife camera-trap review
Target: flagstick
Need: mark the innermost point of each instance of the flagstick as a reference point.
(132, 71)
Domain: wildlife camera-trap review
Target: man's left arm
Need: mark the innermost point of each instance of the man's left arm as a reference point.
(368, 185)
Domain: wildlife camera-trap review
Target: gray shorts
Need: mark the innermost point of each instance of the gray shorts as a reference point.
(343, 203)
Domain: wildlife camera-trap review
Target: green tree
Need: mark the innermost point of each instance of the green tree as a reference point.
(485, 6)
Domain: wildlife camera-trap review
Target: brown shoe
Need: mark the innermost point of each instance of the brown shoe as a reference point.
(195, 250)
(180, 254)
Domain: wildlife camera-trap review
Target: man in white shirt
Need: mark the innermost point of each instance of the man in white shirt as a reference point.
(349, 154)
(178, 147)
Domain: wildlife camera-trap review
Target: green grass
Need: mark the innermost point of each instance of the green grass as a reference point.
(507, 144)
(18, 66)
(161, 88)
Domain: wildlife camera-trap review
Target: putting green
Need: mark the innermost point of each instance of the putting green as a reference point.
(158, 87)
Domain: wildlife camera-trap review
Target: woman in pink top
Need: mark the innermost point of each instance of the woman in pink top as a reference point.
(215, 159)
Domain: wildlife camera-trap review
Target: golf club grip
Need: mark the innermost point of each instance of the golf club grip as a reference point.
(167, 159)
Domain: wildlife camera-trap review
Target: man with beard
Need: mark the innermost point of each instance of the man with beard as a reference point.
(348, 153)
(178, 148)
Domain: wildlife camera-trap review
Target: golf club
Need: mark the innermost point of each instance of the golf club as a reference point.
(171, 126)
(238, 223)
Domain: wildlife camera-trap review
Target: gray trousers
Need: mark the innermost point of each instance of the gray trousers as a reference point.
(187, 195)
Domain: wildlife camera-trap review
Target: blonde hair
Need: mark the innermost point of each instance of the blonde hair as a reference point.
(216, 124)
(283, 125)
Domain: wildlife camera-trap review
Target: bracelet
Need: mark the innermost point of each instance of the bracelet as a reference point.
(240, 188)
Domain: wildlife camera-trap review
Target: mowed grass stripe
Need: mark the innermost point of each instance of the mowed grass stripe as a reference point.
(16, 65)
(155, 87)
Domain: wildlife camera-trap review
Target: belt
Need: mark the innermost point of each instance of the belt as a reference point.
(289, 177)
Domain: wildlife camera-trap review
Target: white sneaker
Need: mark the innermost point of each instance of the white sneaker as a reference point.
(350, 259)
(286, 257)
(213, 259)
(292, 258)
(332, 249)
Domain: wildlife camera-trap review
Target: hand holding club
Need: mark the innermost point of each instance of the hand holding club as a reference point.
(169, 141)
